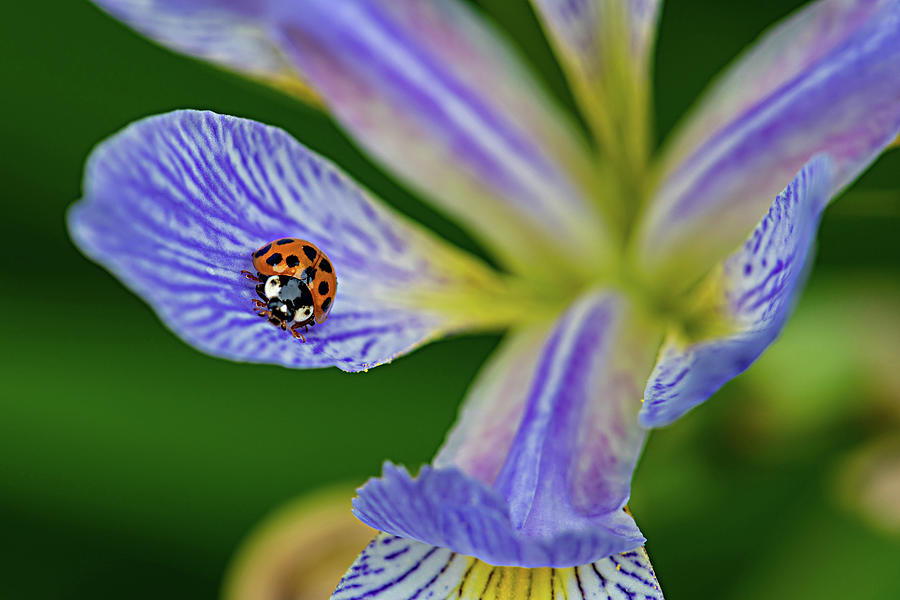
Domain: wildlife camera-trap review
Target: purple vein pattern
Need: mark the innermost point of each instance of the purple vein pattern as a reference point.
(392, 567)
(175, 204)
(823, 82)
(758, 285)
(557, 499)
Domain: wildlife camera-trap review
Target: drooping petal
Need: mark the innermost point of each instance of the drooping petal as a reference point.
(432, 92)
(605, 47)
(550, 484)
(393, 568)
(229, 33)
(175, 204)
(825, 80)
(744, 302)
(446, 508)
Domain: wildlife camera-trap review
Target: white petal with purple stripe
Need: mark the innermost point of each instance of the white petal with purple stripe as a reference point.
(393, 568)
(175, 204)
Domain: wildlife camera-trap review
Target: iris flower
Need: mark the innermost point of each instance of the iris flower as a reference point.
(631, 286)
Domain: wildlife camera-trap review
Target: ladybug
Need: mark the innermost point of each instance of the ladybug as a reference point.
(296, 282)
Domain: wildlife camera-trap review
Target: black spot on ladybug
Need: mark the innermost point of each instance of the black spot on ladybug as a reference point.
(274, 259)
(262, 250)
(310, 252)
(323, 288)
(307, 275)
(325, 265)
(292, 261)
(326, 304)
(284, 241)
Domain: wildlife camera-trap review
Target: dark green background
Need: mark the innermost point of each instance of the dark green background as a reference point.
(132, 466)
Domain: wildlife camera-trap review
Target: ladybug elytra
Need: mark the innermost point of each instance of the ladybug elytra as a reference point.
(296, 282)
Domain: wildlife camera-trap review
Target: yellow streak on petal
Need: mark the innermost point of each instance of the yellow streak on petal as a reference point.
(702, 313)
(472, 296)
(489, 305)
(517, 585)
(476, 584)
(541, 583)
(486, 582)
(895, 143)
(291, 84)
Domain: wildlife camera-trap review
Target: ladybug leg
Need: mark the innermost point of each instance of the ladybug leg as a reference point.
(258, 303)
(250, 276)
(296, 333)
(260, 291)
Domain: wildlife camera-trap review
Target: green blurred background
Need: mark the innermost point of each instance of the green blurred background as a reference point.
(132, 466)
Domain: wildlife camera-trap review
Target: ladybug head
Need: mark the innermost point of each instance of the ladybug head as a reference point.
(279, 311)
(289, 299)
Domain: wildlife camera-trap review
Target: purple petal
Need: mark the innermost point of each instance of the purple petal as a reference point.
(489, 147)
(826, 80)
(393, 568)
(577, 443)
(230, 33)
(445, 508)
(755, 289)
(175, 204)
(551, 492)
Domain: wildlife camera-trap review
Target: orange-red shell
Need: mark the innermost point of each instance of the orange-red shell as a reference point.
(292, 257)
